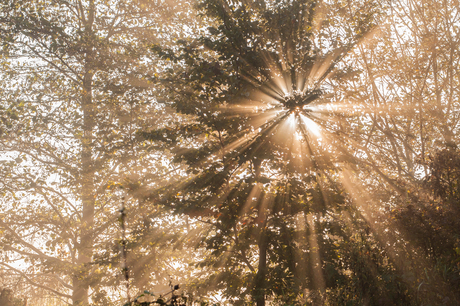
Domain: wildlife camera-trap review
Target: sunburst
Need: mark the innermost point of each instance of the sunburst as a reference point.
(281, 138)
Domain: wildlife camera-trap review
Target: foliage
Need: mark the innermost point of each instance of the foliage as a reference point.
(173, 301)
(401, 127)
(433, 229)
(7, 298)
(307, 148)
(74, 95)
(268, 58)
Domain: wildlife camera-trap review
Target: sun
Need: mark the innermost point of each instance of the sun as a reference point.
(299, 100)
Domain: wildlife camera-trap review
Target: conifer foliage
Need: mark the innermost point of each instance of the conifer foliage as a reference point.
(257, 173)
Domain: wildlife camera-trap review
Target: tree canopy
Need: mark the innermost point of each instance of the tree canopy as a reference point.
(75, 93)
(258, 152)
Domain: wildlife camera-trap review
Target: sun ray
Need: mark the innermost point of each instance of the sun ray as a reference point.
(315, 257)
(396, 249)
(311, 126)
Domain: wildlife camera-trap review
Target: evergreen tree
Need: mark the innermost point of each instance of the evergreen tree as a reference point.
(259, 173)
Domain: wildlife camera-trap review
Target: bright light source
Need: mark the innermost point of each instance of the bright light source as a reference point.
(297, 99)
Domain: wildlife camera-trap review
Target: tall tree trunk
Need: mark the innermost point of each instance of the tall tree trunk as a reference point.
(259, 286)
(85, 249)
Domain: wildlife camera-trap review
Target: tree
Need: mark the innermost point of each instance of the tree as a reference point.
(251, 85)
(74, 96)
(405, 93)
(403, 90)
(431, 223)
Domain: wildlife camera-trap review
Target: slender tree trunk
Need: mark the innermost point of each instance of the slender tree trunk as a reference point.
(259, 288)
(259, 284)
(85, 248)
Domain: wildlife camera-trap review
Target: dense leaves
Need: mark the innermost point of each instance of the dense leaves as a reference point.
(243, 82)
(285, 152)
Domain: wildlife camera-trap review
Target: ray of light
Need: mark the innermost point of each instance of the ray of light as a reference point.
(266, 201)
(306, 155)
(357, 108)
(265, 206)
(361, 200)
(281, 59)
(263, 132)
(288, 137)
(273, 91)
(257, 117)
(238, 146)
(263, 122)
(297, 157)
(250, 138)
(251, 201)
(311, 125)
(315, 257)
(301, 237)
(321, 69)
(266, 117)
(276, 79)
(364, 203)
(280, 83)
(358, 195)
(246, 106)
(269, 101)
(307, 147)
(285, 129)
(271, 81)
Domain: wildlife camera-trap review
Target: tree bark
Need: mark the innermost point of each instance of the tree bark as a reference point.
(85, 248)
(259, 286)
